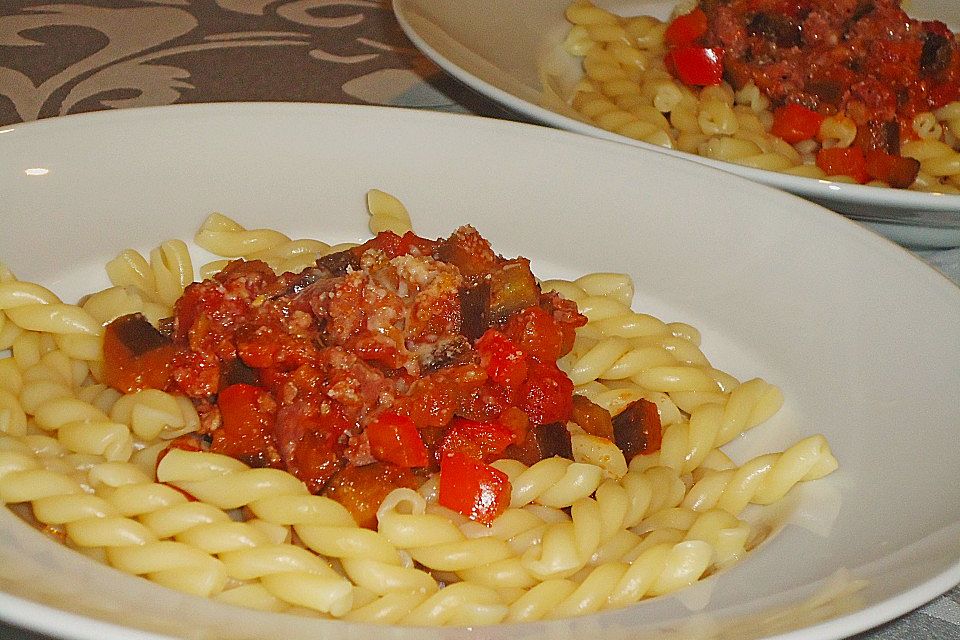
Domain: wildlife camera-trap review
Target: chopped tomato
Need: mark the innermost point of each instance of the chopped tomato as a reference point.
(482, 440)
(517, 422)
(537, 333)
(696, 66)
(472, 488)
(504, 363)
(547, 394)
(431, 401)
(847, 161)
(246, 422)
(794, 122)
(897, 171)
(136, 355)
(394, 245)
(686, 29)
(394, 438)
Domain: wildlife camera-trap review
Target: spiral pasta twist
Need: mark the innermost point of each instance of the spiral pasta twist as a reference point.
(764, 479)
(686, 444)
(103, 520)
(34, 308)
(659, 569)
(224, 236)
(323, 525)
(387, 213)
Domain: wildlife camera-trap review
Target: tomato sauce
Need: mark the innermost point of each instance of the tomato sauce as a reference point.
(369, 370)
(863, 58)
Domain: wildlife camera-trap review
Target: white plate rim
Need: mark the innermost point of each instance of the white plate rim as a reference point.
(824, 192)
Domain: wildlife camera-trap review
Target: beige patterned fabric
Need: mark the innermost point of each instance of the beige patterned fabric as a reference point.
(62, 58)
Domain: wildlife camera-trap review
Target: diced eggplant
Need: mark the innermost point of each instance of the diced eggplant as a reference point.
(827, 91)
(137, 335)
(135, 355)
(454, 351)
(362, 489)
(236, 372)
(637, 429)
(467, 250)
(292, 285)
(903, 173)
(884, 136)
(777, 28)
(935, 57)
(548, 440)
(338, 263)
(890, 133)
(512, 288)
(474, 309)
(554, 440)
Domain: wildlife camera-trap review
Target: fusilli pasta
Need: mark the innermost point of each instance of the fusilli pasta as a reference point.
(579, 535)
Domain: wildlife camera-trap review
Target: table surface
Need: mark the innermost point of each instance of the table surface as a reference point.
(88, 55)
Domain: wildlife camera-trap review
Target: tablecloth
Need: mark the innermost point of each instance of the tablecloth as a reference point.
(59, 58)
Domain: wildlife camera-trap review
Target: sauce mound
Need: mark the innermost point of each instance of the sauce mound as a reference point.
(864, 58)
(375, 368)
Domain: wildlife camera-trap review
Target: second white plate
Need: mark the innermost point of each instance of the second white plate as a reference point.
(499, 47)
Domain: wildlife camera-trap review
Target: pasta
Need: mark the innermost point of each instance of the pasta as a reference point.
(626, 89)
(96, 469)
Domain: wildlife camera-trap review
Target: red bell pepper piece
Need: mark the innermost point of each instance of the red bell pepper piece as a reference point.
(686, 29)
(897, 171)
(395, 438)
(696, 66)
(482, 440)
(848, 161)
(472, 488)
(794, 122)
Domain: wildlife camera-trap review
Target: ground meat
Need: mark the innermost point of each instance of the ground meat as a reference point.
(864, 58)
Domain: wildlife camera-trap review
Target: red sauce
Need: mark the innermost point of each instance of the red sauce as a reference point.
(381, 357)
(863, 58)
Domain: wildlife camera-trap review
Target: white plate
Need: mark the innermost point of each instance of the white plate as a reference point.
(498, 47)
(861, 336)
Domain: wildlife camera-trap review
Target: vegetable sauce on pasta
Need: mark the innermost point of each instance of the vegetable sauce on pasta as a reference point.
(851, 91)
(405, 431)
